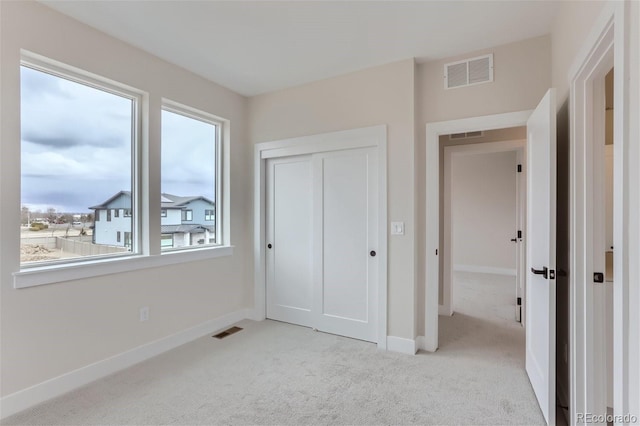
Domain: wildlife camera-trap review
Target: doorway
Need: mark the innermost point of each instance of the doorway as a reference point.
(482, 232)
(541, 211)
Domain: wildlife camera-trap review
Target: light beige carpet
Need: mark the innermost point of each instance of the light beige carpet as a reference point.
(276, 373)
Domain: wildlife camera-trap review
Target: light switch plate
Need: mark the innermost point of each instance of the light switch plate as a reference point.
(397, 228)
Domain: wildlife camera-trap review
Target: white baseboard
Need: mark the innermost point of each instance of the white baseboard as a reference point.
(425, 345)
(484, 269)
(402, 345)
(445, 310)
(29, 397)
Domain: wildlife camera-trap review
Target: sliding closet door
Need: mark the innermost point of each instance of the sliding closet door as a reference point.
(289, 239)
(345, 243)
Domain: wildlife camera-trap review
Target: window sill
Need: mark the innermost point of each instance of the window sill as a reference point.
(59, 273)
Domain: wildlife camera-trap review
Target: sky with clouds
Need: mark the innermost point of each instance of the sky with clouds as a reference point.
(77, 150)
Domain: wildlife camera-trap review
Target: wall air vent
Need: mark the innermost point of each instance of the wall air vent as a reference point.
(466, 135)
(468, 72)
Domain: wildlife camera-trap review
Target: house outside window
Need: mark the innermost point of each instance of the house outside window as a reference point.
(208, 215)
(163, 213)
(187, 215)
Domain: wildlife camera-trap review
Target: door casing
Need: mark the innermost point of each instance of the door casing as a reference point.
(605, 47)
(433, 130)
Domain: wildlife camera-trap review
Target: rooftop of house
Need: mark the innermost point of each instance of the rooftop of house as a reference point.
(168, 201)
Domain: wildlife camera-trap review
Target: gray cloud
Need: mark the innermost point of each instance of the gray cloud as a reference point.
(70, 139)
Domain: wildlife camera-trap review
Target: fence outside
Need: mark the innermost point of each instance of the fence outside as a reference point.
(76, 245)
(81, 245)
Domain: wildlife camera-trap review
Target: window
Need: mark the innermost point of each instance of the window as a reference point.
(190, 169)
(80, 142)
(163, 213)
(78, 138)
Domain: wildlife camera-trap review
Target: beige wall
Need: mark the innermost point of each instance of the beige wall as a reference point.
(53, 329)
(483, 210)
(522, 75)
(381, 95)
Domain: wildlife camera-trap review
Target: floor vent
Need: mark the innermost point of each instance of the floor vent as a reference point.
(227, 332)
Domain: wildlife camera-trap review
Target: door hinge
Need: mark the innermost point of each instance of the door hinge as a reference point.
(519, 168)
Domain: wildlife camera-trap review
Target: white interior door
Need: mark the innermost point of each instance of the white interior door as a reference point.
(541, 254)
(346, 278)
(322, 241)
(289, 240)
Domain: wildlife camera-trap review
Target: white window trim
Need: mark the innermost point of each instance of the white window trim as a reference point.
(51, 274)
(143, 256)
(221, 208)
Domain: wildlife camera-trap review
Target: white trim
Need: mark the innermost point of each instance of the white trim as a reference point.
(433, 131)
(26, 398)
(472, 148)
(611, 33)
(86, 269)
(374, 136)
(485, 270)
(402, 345)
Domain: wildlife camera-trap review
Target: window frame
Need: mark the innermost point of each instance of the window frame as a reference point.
(144, 254)
(221, 165)
(66, 72)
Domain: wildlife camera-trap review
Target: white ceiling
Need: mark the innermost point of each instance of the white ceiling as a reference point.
(255, 47)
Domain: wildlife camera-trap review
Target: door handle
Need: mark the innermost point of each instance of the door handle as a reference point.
(544, 271)
(515, 240)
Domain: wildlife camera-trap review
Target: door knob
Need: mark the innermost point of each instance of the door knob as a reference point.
(269, 245)
(372, 253)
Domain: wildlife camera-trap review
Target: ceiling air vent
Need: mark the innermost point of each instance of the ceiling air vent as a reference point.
(466, 135)
(468, 72)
